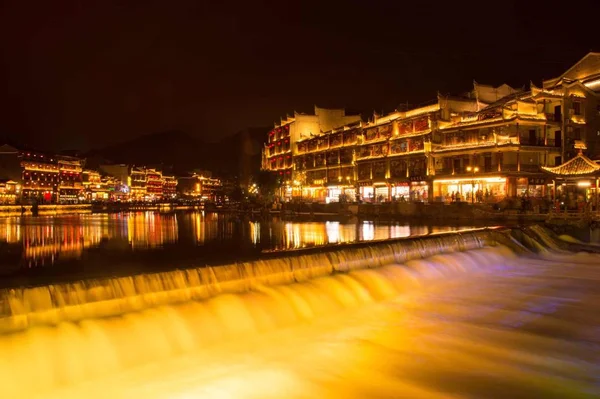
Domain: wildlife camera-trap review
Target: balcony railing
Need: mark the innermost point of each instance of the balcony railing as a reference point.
(530, 168)
(539, 142)
(553, 117)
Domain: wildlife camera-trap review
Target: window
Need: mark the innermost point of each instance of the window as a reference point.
(576, 108)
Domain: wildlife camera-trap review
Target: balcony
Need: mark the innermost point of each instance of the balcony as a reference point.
(510, 167)
(538, 142)
(554, 117)
(530, 168)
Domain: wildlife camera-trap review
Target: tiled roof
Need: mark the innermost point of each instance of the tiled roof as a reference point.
(580, 165)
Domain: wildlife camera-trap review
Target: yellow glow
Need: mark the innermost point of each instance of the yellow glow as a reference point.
(468, 179)
(584, 184)
(364, 333)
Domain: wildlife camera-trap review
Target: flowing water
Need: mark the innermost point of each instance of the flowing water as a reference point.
(480, 314)
(47, 249)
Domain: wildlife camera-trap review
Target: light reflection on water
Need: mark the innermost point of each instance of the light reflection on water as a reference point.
(294, 235)
(33, 242)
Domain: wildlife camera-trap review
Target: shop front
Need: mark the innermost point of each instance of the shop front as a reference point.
(314, 193)
(483, 189)
(366, 192)
(350, 193)
(333, 194)
(382, 192)
(401, 191)
(575, 184)
(419, 191)
(535, 187)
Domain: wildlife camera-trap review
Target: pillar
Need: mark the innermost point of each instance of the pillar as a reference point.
(596, 205)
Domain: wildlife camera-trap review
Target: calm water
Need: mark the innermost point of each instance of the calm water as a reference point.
(39, 249)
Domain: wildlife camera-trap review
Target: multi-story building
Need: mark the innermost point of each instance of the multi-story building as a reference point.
(393, 153)
(117, 180)
(500, 151)
(281, 141)
(495, 152)
(70, 185)
(10, 191)
(40, 176)
(324, 165)
(486, 145)
(169, 187)
(200, 187)
(137, 184)
(154, 184)
(572, 102)
(97, 188)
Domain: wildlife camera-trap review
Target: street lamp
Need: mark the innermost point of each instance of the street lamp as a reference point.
(473, 170)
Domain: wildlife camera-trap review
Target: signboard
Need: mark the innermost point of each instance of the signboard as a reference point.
(536, 181)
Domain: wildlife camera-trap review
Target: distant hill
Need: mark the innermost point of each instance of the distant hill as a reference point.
(237, 155)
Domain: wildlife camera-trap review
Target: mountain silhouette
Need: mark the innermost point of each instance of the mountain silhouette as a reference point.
(179, 153)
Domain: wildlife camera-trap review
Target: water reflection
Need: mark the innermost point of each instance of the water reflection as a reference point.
(295, 235)
(41, 241)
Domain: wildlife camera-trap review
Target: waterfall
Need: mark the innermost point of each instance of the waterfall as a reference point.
(45, 357)
(64, 335)
(50, 305)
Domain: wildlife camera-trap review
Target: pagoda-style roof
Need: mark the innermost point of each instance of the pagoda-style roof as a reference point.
(578, 166)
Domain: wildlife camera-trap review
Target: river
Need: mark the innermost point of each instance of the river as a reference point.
(502, 313)
(45, 249)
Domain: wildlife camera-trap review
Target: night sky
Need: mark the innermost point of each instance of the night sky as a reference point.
(84, 74)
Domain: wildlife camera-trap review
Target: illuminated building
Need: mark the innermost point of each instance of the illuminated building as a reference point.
(281, 142)
(154, 184)
(169, 187)
(500, 150)
(115, 189)
(40, 176)
(485, 145)
(200, 187)
(95, 187)
(117, 181)
(9, 191)
(137, 183)
(576, 93)
(11, 175)
(324, 165)
(575, 183)
(394, 153)
(70, 184)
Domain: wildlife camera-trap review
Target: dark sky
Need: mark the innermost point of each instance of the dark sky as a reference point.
(83, 74)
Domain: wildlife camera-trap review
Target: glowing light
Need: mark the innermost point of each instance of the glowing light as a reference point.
(584, 184)
(468, 179)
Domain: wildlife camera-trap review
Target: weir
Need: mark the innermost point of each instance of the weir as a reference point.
(21, 308)
(57, 340)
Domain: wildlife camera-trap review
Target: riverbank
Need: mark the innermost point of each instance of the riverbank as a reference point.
(458, 211)
(59, 209)
(18, 210)
(441, 212)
